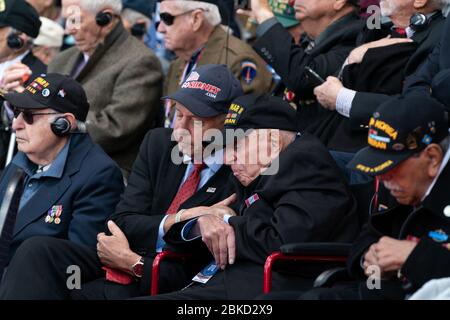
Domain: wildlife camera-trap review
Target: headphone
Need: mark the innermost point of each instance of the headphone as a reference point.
(61, 126)
(138, 29)
(103, 18)
(419, 21)
(15, 42)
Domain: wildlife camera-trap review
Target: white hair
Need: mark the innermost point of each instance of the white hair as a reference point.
(210, 11)
(444, 5)
(95, 6)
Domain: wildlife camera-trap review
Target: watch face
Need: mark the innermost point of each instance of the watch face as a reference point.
(138, 269)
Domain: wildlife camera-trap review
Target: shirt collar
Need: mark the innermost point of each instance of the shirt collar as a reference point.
(54, 169)
(213, 162)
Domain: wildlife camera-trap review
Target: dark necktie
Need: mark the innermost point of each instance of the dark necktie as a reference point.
(8, 213)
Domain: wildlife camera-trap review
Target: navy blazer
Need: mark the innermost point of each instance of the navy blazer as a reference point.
(88, 192)
(437, 61)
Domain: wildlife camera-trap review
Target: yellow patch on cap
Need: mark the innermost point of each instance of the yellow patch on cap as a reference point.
(378, 168)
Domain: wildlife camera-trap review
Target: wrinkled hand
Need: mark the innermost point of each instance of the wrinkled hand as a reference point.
(260, 11)
(357, 55)
(388, 254)
(219, 238)
(327, 92)
(114, 251)
(15, 76)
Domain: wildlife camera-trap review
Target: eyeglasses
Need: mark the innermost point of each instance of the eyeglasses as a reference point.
(169, 19)
(28, 116)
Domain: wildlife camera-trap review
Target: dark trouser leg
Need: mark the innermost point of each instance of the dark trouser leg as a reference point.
(39, 269)
(215, 289)
(102, 289)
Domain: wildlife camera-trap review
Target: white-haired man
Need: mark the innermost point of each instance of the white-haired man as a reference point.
(122, 77)
(192, 30)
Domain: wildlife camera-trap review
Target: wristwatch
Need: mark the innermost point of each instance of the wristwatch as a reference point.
(138, 268)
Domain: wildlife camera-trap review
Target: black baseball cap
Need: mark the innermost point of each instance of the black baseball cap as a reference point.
(20, 15)
(400, 128)
(55, 91)
(261, 112)
(208, 90)
(146, 7)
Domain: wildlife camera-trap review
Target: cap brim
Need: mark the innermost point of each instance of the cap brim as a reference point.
(287, 23)
(195, 106)
(375, 162)
(23, 101)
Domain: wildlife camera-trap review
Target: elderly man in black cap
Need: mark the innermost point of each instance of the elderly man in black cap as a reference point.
(164, 187)
(288, 190)
(19, 24)
(406, 246)
(65, 194)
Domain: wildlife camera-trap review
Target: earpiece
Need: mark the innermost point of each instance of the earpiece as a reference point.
(418, 21)
(61, 126)
(138, 29)
(15, 42)
(103, 18)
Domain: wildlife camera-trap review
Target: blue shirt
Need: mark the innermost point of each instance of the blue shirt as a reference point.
(33, 180)
(213, 164)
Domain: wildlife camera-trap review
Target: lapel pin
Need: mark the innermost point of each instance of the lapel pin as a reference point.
(211, 190)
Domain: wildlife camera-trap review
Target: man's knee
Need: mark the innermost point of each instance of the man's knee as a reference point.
(36, 247)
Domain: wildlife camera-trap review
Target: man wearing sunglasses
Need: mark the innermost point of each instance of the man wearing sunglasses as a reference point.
(121, 76)
(65, 194)
(192, 30)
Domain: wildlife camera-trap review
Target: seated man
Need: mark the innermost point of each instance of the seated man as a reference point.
(161, 186)
(403, 248)
(65, 194)
(331, 29)
(376, 70)
(288, 189)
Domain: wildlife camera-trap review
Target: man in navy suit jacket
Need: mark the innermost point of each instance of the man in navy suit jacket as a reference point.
(70, 185)
(434, 75)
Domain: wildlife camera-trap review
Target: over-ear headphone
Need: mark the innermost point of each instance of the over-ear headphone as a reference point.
(15, 42)
(103, 18)
(138, 29)
(419, 21)
(61, 126)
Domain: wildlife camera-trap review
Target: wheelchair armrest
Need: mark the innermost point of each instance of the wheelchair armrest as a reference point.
(160, 257)
(331, 276)
(316, 248)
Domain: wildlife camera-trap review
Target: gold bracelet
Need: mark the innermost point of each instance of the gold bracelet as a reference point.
(178, 215)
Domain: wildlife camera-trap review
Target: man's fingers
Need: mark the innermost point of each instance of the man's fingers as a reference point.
(231, 244)
(248, 13)
(223, 250)
(114, 229)
(228, 201)
(11, 85)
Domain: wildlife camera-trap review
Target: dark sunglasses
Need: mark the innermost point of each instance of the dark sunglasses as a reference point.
(28, 116)
(169, 19)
